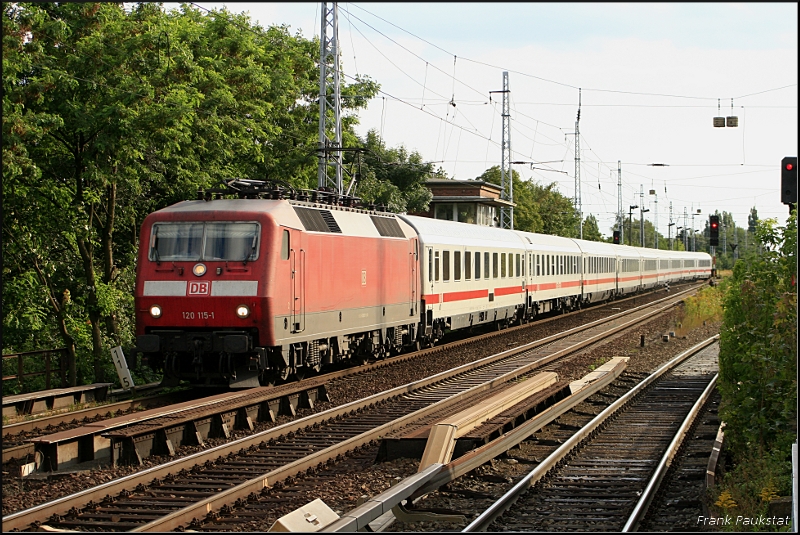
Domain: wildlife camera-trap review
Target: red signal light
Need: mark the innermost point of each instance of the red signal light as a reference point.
(789, 167)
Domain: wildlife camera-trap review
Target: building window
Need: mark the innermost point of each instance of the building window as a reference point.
(444, 211)
(466, 213)
(486, 215)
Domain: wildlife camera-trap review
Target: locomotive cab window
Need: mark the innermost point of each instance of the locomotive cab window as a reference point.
(191, 241)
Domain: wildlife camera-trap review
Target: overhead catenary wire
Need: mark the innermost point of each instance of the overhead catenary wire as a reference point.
(424, 105)
(605, 90)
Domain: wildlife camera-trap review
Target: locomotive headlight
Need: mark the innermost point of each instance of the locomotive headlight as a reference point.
(199, 269)
(242, 311)
(155, 311)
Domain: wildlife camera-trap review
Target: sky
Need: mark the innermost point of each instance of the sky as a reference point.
(650, 79)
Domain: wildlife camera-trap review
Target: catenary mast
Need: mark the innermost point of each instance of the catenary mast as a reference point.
(329, 150)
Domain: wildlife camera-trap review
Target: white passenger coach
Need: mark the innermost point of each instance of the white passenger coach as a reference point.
(474, 274)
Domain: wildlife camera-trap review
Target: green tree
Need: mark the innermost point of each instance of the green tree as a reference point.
(393, 177)
(109, 115)
(590, 229)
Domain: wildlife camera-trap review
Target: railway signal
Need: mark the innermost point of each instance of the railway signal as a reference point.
(713, 223)
(616, 237)
(789, 180)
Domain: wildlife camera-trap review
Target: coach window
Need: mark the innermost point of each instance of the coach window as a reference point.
(516, 265)
(457, 265)
(494, 265)
(445, 266)
(477, 266)
(430, 265)
(285, 245)
(467, 265)
(485, 265)
(436, 266)
(502, 264)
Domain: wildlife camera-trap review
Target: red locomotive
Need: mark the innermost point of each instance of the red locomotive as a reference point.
(249, 290)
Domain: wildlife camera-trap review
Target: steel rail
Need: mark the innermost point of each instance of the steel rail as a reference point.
(666, 461)
(180, 517)
(67, 416)
(482, 522)
(430, 479)
(21, 452)
(22, 519)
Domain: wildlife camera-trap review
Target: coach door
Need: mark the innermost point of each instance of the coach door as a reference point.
(413, 259)
(297, 262)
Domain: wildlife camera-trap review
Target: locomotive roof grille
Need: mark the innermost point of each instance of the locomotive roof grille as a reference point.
(388, 227)
(317, 220)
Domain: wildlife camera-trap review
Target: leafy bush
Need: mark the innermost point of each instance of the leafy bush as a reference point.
(758, 373)
(758, 351)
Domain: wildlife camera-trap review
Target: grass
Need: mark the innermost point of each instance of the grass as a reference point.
(704, 306)
(597, 363)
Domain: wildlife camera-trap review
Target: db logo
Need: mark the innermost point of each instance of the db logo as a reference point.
(199, 288)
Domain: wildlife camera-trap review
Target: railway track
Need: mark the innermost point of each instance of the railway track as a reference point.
(167, 434)
(17, 436)
(605, 476)
(172, 495)
(678, 504)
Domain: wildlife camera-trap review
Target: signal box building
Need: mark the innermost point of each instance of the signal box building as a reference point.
(466, 201)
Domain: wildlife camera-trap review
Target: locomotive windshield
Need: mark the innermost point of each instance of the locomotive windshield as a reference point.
(204, 241)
